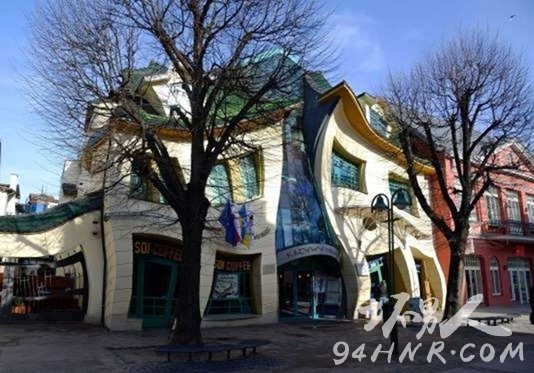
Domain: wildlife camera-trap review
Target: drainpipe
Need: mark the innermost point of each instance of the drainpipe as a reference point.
(103, 239)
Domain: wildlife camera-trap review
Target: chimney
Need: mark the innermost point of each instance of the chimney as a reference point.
(13, 181)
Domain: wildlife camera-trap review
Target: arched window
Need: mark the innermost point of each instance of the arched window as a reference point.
(495, 276)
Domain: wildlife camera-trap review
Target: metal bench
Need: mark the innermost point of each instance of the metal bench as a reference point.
(244, 345)
(493, 320)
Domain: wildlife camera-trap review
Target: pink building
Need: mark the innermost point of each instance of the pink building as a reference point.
(500, 253)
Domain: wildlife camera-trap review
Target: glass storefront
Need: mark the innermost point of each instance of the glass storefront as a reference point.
(232, 289)
(310, 287)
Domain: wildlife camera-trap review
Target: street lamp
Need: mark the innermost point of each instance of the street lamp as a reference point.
(381, 203)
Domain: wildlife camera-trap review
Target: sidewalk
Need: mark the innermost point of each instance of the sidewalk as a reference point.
(304, 346)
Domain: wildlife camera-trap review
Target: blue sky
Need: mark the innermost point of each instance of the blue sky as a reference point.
(374, 37)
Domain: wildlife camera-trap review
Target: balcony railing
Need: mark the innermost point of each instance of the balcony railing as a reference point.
(511, 227)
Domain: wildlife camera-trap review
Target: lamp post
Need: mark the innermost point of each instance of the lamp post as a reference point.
(381, 203)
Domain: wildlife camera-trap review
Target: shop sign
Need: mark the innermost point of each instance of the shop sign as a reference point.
(158, 249)
(299, 252)
(233, 265)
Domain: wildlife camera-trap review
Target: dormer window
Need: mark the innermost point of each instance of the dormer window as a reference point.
(377, 121)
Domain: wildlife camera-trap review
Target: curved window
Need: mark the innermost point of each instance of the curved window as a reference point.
(249, 177)
(396, 184)
(495, 276)
(345, 173)
(218, 185)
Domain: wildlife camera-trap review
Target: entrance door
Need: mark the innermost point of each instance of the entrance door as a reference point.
(519, 270)
(285, 286)
(310, 288)
(304, 293)
(377, 275)
(296, 293)
(155, 291)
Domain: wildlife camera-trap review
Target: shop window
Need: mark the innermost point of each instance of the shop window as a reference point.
(345, 173)
(494, 210)
(232, 289)
(218, 189)
(396, 184)
(495, 277)
(48, 288)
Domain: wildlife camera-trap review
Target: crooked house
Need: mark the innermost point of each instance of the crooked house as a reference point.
(315, 250)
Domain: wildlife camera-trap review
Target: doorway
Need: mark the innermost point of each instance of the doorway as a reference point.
(310, 288)
(378, 274)
(155, 291)
(519, 270)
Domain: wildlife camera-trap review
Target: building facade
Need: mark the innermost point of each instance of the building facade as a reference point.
(353, 159)
(309, 245)
(500, 251)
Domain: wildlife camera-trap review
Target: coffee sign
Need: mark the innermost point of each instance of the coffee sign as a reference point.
(233, 265)
(158, 249)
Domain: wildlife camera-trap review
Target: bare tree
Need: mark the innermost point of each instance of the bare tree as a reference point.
(237, 61)
(462, 103)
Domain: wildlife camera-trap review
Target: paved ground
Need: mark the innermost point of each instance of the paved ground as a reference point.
(39, 347)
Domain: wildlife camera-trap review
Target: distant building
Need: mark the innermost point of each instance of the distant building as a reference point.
(9, 196)
(40, 202)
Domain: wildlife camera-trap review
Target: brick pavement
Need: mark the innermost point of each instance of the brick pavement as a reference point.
(294, 347)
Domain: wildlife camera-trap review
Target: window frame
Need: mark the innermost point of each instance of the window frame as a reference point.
(492, 194)
(496, 288)
(530, 208)
(473, 275)
(217, 195)
(412, 209)
(351, 161)
(255, 162)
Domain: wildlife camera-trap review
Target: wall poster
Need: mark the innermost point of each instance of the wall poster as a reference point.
(226, 286)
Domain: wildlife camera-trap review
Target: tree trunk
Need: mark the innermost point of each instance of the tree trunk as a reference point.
(455, 281)
(187, 318)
